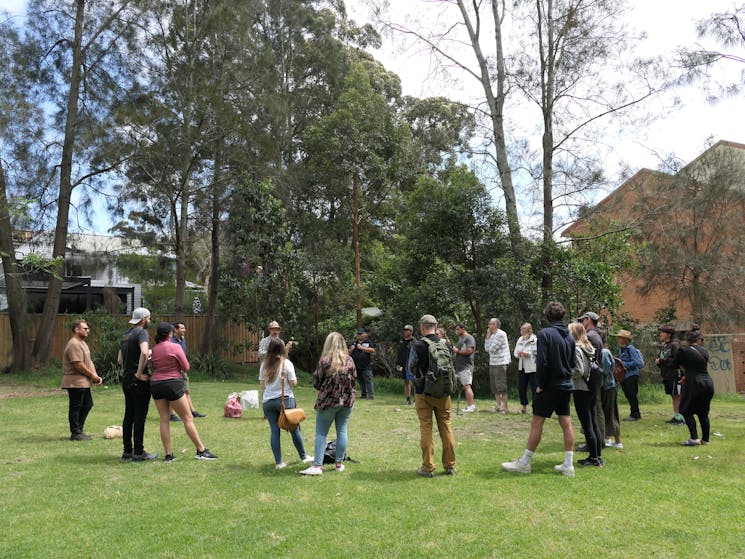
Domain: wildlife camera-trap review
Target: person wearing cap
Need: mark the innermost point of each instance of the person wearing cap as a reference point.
(361, 352)
(167, 387)
(427, 405)
(590, 321)
(464, 351)
(498, 347)
(402, 361)
(633, 360)
(274, 329)
(555, 360)
(134, 351)
(78, 374)
(669, 372)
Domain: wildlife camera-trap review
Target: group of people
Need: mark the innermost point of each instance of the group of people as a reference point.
(159, 373)
(561, 362)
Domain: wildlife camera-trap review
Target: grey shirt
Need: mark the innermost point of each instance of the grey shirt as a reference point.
(464, 361)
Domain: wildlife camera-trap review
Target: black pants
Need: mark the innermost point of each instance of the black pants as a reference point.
(631, 390)
(136, 404)
(81, 402)
(584, 403)
(523, 380)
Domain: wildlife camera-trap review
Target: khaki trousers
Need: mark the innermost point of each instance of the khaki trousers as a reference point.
(425, 407)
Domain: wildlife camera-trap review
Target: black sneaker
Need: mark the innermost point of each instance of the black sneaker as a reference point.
(126, 456)
(205, 455)
(80, 437)
(175, 418)
(195, 413)
(144, 457)
(169, 458)
(590, 462)
(450, 471)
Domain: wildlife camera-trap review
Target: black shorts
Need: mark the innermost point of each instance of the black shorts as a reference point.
(171, 389)
(671, 386)
(550, 400)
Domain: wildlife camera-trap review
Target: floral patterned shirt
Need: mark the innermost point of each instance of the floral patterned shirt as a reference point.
(335, 390)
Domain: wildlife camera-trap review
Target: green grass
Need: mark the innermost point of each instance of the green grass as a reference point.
(654, 498)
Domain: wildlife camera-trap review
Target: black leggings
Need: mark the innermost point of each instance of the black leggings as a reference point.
(584, 403)
(703, 419)
(523, 380)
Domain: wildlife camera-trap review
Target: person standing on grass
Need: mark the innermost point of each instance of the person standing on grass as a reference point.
(584, 399)
(590, 321)
(554, 363)
(669, 373)
(402, 361)
(698, 387)
(134, 351)
(334, 378)
(464, 351)
(426, 405)
(78, 373)
(179, 337)
(274, 329)
(167, 387)
(362, 351)
(525, 350)
(270, 379)
(498, 347)
(609, 395)
(633, 360)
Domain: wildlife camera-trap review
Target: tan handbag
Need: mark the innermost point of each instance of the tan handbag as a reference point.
(289, 419)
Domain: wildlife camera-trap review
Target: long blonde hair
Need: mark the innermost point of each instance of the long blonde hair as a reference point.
(335, 352)
(579, 334)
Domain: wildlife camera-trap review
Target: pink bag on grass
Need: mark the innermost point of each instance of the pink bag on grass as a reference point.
(233, 406)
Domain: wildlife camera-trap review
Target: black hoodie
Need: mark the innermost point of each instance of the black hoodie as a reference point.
(556, 357)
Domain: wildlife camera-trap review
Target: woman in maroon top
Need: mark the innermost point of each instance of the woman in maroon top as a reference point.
(334, 378)
(167, 387)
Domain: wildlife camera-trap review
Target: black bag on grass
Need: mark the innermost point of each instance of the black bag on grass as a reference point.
(329, 455)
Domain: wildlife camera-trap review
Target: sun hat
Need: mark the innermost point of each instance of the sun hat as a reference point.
(274, 324)
(668, 329)
(139, 314)
(623, 334)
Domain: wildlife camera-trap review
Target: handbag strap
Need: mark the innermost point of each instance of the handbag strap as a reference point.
(282, 372)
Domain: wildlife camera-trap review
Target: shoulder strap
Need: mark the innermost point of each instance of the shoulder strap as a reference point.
(282, 373)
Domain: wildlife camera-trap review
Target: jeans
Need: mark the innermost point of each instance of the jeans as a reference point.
(425, 406)
(324, 418)
(631, 390)
(81, 402)
(365, 378)
(136, 404)
(523, 380)
(271, 412)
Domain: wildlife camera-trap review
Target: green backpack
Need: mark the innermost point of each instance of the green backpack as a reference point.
(440, 378)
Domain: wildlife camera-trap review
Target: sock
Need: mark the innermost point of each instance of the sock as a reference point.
(568, 457)
(527, 457)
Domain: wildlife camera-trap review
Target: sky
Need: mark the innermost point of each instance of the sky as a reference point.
(668, 24)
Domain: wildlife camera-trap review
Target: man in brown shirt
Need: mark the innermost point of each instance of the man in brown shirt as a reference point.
(79, 373)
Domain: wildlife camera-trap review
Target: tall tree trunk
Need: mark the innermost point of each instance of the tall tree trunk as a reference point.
(356, 241)
(495, 101)
(19, 322)
(43, 344)
(210, 331)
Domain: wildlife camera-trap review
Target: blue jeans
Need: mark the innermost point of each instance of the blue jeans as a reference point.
(324, 418)
(271, 411)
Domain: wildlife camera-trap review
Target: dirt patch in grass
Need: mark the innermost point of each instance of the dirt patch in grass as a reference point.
(25, 391)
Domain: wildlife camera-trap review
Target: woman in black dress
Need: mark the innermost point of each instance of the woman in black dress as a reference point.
(698, 388)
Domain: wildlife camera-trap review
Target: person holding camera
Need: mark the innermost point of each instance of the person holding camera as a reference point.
(361, 352)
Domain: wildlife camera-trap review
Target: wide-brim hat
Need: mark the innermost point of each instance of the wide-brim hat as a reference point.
(139, 314)
(274, 324)
(623, 334)
(668, 329)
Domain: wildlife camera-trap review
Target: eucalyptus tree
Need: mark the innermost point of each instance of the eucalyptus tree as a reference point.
(80, 66)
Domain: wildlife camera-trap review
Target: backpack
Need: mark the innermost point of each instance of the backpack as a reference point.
(329, 455)
(583, 364)
(439, 381)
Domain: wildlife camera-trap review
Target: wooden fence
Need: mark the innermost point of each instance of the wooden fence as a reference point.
(237, 343)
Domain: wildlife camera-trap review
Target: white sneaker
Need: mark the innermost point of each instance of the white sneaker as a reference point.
(312, 471)
(516, 466)
(469, 409)
(609, 443)
(565, 470)
(280, 466)
(618, 445)
(307, 459)
(339, 467)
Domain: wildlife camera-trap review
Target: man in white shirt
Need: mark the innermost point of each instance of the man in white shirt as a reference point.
(497, 345)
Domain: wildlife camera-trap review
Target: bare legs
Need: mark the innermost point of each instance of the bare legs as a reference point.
(181, 407)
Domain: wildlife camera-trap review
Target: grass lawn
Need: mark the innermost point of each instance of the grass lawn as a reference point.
(655, 498)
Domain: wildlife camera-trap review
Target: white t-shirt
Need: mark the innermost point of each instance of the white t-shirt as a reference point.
(274, 389)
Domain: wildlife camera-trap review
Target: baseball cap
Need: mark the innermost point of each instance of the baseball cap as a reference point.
(428, 319)
(361, 330)
(139, 314)
(591, 315)
(409, 327)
